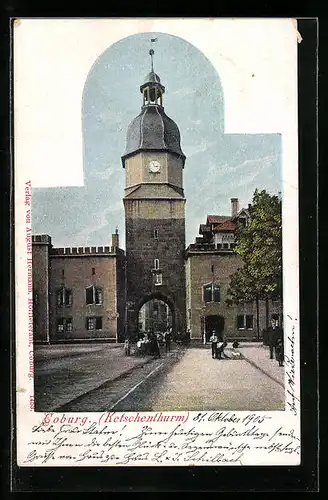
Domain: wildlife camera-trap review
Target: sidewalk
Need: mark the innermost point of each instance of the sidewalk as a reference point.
(258, 355)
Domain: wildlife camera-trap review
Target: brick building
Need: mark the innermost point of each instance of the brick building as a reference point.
(79, 292)
(210, 262)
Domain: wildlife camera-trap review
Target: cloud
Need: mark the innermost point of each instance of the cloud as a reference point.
(194, 149)
(263, 162)
(183, 91)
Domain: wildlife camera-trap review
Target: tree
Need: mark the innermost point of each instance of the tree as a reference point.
(259, 244)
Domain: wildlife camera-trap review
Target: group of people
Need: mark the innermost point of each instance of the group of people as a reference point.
(149, 343)
(274, 338)
(218, 345)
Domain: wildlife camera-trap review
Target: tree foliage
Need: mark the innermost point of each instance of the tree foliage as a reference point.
(259, 244)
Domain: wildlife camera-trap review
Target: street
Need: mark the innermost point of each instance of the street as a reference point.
(103, 379)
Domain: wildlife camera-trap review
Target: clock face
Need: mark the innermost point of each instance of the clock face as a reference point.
(154, 166)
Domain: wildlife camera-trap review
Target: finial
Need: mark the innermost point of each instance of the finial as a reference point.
(151, 53)
(116, 230)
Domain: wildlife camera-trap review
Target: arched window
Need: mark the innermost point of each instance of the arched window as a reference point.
(212, 292)
(64, 297)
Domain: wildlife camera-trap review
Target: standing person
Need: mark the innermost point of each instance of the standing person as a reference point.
(280, 352)
(167, 337)
(214, 341)
(272, 338)
(155, 346)
(127, 347)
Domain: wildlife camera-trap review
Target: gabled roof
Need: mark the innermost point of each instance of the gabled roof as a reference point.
(241, 212)
(226, 226)
(217, 219)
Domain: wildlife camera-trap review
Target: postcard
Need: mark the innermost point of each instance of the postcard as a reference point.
(156, 242)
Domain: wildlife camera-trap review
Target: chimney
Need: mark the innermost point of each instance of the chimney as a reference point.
(234, 207)
(115, 239)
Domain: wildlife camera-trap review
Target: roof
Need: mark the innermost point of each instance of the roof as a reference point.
(242, 211)
(217, 219)
(153, 130)
(152, 77)
(225, 226)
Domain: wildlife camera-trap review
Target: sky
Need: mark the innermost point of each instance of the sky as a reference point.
(218, 166)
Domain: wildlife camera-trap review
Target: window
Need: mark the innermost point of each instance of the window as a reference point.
(156, 234)
(64, 325)
(94, 323)
(156, 264)
(225, 245)
(158, 278)
(93, 295)
(69, 324)
(63, 272)
(216, 293)
(93, 271)
(207, 292)
(64, 297)
(249, 322)
(211, 293)
(60, 324)
(241, 322)
(245, 321)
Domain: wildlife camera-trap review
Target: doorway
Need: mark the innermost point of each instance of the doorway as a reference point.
(214, 322)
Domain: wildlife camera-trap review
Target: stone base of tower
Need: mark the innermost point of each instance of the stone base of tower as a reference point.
(155, 268)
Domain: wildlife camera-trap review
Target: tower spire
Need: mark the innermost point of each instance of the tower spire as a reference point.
(151, 53)
(152, 89)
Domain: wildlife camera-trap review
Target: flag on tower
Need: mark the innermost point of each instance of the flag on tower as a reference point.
(153, 39)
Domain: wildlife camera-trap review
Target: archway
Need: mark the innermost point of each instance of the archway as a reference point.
(155, 315)
(155, 312)
(214, 322)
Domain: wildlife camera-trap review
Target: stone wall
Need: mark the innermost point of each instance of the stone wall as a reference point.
(40, 266)
(142, 248)
(76, 273)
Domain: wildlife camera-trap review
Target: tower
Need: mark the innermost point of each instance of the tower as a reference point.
(154, 206)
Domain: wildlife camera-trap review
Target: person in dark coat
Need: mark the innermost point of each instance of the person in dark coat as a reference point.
(167, 337)
(154, 345)
(273, 334)
(221, 346)
(280, 352)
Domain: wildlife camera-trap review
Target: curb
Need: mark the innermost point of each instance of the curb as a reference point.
(251, 362)
(103, 384)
